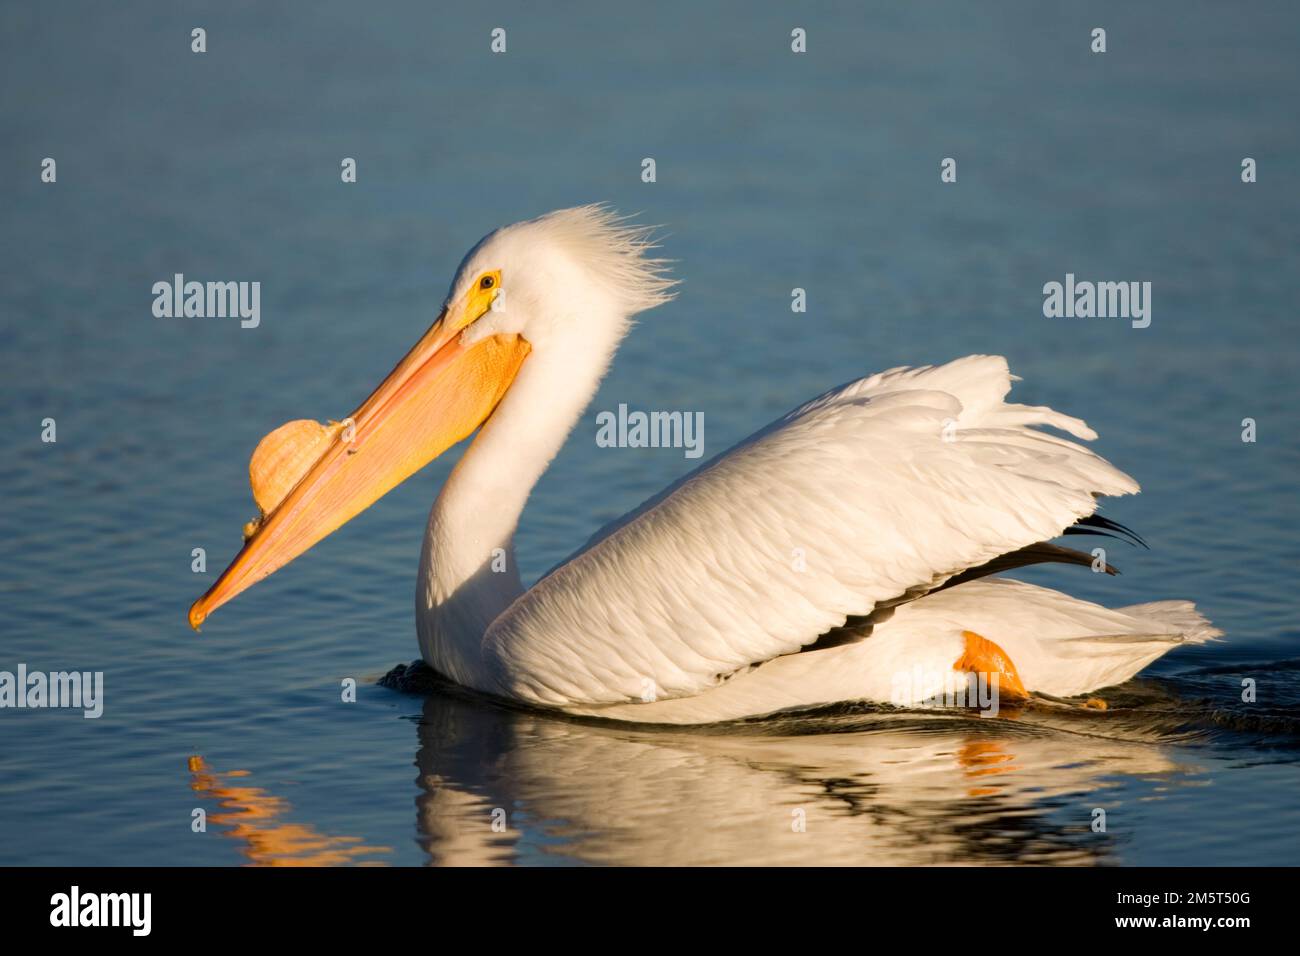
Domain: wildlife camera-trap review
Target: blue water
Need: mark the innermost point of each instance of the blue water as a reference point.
(774, 170)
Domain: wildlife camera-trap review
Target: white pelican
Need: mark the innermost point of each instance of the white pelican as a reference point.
(806, 565)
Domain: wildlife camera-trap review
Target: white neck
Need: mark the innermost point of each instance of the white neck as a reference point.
(468, 573)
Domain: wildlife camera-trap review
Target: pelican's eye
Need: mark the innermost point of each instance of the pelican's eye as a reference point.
(479, 298)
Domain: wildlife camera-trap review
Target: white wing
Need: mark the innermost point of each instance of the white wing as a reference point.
(891, 483)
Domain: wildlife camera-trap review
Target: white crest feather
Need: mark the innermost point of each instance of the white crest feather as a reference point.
(615, 251)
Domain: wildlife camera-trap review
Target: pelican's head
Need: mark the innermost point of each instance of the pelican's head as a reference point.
(571, 273)
(561, 286)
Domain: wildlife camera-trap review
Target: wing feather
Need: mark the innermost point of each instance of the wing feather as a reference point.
(895, 482)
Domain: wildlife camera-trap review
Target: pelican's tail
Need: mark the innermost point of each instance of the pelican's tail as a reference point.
(1063, 646)
(1180, 622)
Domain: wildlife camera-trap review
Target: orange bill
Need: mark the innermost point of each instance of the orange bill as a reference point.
(309, 479)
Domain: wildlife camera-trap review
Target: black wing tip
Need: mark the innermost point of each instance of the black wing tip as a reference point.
(1098, 524)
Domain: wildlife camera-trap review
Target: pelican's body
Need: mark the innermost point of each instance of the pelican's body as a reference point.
(805, 566)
